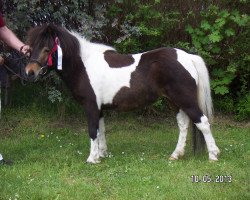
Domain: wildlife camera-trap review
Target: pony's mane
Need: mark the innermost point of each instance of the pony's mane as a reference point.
(89, 48)
(46, 34)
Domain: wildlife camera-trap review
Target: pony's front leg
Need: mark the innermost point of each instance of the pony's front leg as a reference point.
(94, 156)
(93, 128)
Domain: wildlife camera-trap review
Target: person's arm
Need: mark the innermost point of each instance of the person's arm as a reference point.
(11, 40)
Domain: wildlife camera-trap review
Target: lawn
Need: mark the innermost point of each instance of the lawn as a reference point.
(49, 159)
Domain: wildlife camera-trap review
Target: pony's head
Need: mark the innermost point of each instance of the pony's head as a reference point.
(41, 40)
(44, 41)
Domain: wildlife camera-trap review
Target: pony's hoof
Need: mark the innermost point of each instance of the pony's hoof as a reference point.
(103, 154)
(213, 160)
(171, 158)
(213, 156)
(93, 161)
(218, 152)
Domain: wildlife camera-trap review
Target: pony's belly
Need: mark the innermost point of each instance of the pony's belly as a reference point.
(128, 99)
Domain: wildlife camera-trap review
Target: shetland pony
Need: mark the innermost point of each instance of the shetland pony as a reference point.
(101, 78)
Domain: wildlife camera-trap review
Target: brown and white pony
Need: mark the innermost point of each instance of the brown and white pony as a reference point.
(100, 78)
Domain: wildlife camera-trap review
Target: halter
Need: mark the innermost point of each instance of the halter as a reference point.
(44, 68)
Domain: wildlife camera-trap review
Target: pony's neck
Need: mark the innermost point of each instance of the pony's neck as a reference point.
(73, 69)
(85, 45)
(74, 66)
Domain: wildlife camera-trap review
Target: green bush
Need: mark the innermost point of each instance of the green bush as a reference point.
(221, 39)
(144, 27)
(243, 108)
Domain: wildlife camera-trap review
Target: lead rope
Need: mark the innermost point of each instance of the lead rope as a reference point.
(16, 74)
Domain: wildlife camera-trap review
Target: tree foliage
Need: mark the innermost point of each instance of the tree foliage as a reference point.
(218, 30)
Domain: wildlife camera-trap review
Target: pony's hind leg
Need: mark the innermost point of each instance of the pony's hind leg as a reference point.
(102, 139)
(204, 127)
(98, 146)
(183, 123)
(93, 116)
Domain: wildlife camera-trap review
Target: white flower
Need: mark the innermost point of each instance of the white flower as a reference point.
(79, 152)
(110, 155)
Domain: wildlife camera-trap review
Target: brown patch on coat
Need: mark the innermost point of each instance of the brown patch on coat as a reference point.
(116, 60)
(147, 81)
(159, 74)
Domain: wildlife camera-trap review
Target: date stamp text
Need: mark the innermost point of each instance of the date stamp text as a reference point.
(211, 179)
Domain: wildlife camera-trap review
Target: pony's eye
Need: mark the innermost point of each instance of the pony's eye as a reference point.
(46, 50)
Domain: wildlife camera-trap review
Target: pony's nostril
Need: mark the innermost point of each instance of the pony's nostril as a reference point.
(31, 73)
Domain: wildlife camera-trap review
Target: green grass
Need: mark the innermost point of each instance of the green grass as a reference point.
(49, 159)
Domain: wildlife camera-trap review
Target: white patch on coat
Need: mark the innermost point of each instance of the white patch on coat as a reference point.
(105, 81)
(185, 59)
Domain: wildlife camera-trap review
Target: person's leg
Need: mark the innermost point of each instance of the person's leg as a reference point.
(5, 162)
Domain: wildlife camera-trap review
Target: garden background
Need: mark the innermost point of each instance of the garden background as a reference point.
(218, 30)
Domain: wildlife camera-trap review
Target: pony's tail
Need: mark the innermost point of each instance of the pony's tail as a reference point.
(204, 91)
(204, 100)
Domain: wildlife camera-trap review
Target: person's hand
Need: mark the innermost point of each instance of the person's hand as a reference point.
(25, 49)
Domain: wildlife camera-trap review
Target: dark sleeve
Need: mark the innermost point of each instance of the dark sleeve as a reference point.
(2, 23)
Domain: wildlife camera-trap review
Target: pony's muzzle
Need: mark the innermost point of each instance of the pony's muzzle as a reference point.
(32, 71)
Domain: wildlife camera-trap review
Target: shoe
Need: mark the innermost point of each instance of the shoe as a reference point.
(5, 162)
